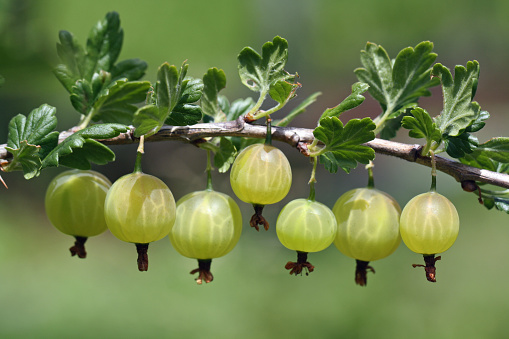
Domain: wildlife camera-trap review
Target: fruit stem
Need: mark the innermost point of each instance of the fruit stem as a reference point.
(139, 155)
(203, 271)
(301, 264)
(361, 272)
(268, 137)
(142, 250)
(371, 180)
(433, 187)
(79, 247)
(209, 172)
(312, 180)
(258, 219)
(429, 267)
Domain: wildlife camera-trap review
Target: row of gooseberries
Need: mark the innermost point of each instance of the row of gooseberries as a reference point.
(364, 224)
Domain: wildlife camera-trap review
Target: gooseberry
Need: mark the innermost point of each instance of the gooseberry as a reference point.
(261, 175)
(305, 226)
(140, 209)
(207, 226)
(429, 225)
(368, 227)
(74, 204)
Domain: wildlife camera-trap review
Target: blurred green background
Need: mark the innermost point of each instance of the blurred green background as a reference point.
(44, 293)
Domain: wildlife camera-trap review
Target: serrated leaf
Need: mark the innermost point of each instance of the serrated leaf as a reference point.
(420, 125)
(225, 156)
(72, 56)
(393, 123)
(350, 102)
(259, 72)
(333, 161)
(168, 90)
(35, 129)
(282, 91)
(78, 150)
(130, 69)
(103, 45)
(479, 123)
(459, 110)
(399, 83)
(116, 103)
(191, 92)
(239, 107)
(461, 145)
(346, 142)
(213, 82)
(301, 108)
(491, 155)
(183, 115)
(25, 158)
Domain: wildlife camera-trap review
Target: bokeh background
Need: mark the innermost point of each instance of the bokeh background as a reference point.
(45, 293)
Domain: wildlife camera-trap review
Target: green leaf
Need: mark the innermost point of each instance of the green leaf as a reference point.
(103, 45)
(72, 55)
(79, 150)
(257, 72)
(170, 90)
(192, 89)
(400, 83)
(183, 115)
(421, 125)
(239, 107)
(352, 101)
(461, 145)
(213, 82)
(224, 157)
(301, 108)
(31, 138)
(116, 103)
(282, 91)
(459, 110)
(25, 158)
(130, 69)
(391, 126)
(345, 142)
(479, 123)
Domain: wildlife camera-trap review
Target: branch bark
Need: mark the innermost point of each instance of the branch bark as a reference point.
(298, 138)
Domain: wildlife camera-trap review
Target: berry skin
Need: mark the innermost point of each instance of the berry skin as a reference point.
(74, 204)
(261, 175)
(429, 225)
(140, 209)
(368, 227)
(368, 224)
(208, 225)
(305, 226)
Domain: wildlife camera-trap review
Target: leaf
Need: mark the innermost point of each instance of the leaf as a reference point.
(400, 83)
(192, 89)
(492, 155)
(239, 107)
(103, 45)
(350, 102)
(116, 104)
(31, 138)
(392, 125)
(213, 82)
(459, 110)
(282, 91)
(257, 72)
(72, 55)
(461, 145)
(301, 108)
(168, 90)
(421, 125)
(78, 150)
(184, 115)
(225, 156)
(346, 142)
(479, 123)
(130, 69)
(25, 158)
